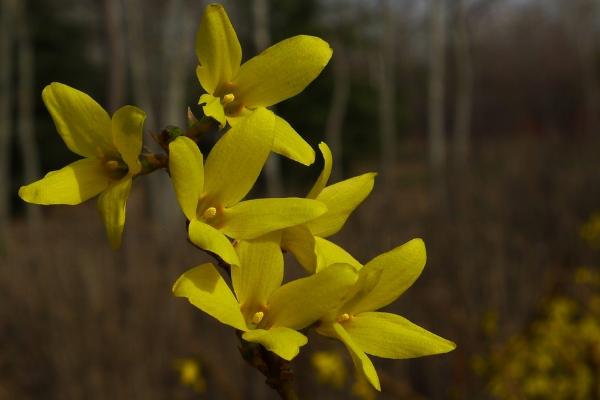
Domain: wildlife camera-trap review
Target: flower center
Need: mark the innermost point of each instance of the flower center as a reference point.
(344, 317)
(116, 169)
(258, 317)
(209, 213)
(228, 98)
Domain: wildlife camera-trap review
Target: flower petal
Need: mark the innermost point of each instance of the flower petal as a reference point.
(383, 279)
(281, 71)
(111, 204)
(187, 174)
(236, 160)
(252, 218)
(73, 184)
(325, 173)
(282, 341)
(218, 49)
(359, 358)
(213, 108)
(392, 336)
(208, 238)
(81, 122)
(301, 302)
(301, 243)
(260, 272)
(341, 200)
(329, 253)
(290, 144)
(204, 287)
(127, 128)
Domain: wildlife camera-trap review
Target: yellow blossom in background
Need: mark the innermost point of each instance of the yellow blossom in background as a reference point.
(210, 193)
(190, 374)
(364, 331)
(307, 241)
(110, 148)
(234, 90)
(590, 231)
(362, 389)
(330, 368)
(267, 312)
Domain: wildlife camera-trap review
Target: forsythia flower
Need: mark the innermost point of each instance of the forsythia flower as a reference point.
(210, 194)
(111, 148)
(380, 282)
(280, 72)
(267, 313)
(330, 368)
(307, 241)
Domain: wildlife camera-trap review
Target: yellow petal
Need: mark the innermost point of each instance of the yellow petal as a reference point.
(127, 129)
(281, 71)
(301, 302)
(383, 279)
(218, 49)
(301, 243)
(252, 218)
(282, 341)
(84, 126)
(329, 253)
(187, 174)
(204, 287)
(341, 199)
(208, 238)
(392, 336)
(260, 272)
(236, 160)
(73, 184)
(111, 204)
(290, 144)
(213, 108)
(325, 173)
(361, 362)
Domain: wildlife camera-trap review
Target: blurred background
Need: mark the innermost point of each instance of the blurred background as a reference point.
(482, 118)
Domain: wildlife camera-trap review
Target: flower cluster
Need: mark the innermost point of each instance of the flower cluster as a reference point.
(338, 296)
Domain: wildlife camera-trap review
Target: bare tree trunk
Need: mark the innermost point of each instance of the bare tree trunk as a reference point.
(6, 71)
(464, 86)
(262, 40)
(26, 129)
(387, 92)
(117, 63)
(437, 64)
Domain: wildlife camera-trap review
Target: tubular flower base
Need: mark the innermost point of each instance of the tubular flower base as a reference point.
(336, 295)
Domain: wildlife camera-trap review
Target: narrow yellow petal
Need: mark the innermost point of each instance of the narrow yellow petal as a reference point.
(301, 243)
(282, 341)
(213, 108)
(301, 302)
(290, 144)
(392, 336)
(281, 71)
(84, 126)
(252, 218)
(329, 253)
(111, 204)
(204, 287)
(383, 279)
(361, 361)
(208, 238)
(236, 160)
(73, 184)
(127, 129)
(187, 174)
(218, 49)
(341, 200)
(259, 274)
(325, 173)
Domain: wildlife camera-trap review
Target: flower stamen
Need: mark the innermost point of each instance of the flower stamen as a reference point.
(344, 317)
(210, 213)
(228, 98)
(257, 317)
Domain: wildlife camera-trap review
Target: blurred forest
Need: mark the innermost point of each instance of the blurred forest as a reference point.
(482, 118)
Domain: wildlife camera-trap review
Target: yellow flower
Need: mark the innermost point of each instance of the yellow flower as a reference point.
(280, 72)
(330, 368)
(190, 374)
(307, 241)
(210, 194)
(110, 148)
(380, 282)
(267, 313)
